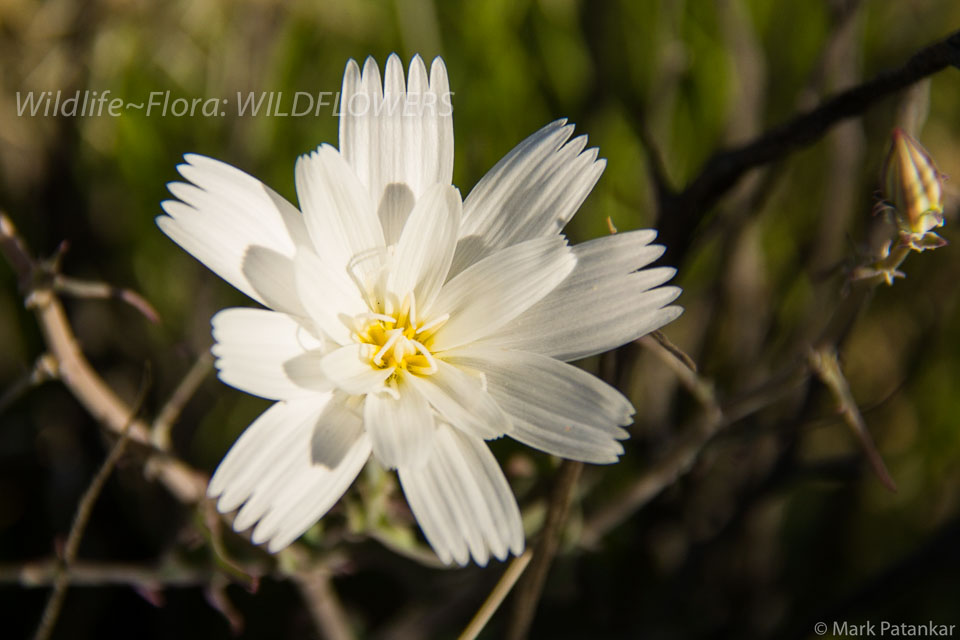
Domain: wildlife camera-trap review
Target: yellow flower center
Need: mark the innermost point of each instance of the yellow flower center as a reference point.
(400, 340)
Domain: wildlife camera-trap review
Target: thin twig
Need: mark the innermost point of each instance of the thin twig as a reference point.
(661, 338)
(80, 520)
(531, 587)
(497, 596)
(212, 522)
(824, 362)
(44, 573)
(168, 415)
(683, 367)
(660, 475)
(682, 456)
(102, 290)
(44, 369)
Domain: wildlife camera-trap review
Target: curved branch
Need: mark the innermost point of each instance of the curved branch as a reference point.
(680, 214)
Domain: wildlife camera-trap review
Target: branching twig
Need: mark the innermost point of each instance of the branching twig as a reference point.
(37, 282)
(80, 378)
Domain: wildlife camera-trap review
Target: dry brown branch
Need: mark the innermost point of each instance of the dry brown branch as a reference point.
(101, 401)
(186, 484)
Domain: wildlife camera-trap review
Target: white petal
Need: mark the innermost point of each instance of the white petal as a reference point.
(395, 207)
(349, 368)
(461, 398)
(443, 99)
(224, 213)
(417, 129)
(603, 304)
(616, 254)
(339, 215)
(271, 472)
(271, 275)
(401, 428)
(427, 126)
(553, 406)
(329, 298)
(306, 371)
(356, 144)
(252, 346)
(575, 444)
(337, 429)
(500, 287)
(316, 490)
(284, 472)
(254, 453)
(426, 245)
(400, 132)
(393, 130)
(462, 501)
(532, 192)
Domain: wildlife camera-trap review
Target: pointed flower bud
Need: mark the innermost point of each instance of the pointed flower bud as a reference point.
(913, 188)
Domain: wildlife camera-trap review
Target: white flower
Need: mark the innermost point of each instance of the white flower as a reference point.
(404, 322)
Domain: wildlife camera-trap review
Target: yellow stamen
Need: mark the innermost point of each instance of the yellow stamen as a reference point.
(399, 340)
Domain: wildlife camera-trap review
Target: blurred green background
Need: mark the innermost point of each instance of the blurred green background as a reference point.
(778, 525)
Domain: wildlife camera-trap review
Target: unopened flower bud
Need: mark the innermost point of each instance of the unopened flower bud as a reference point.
(913, 188)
